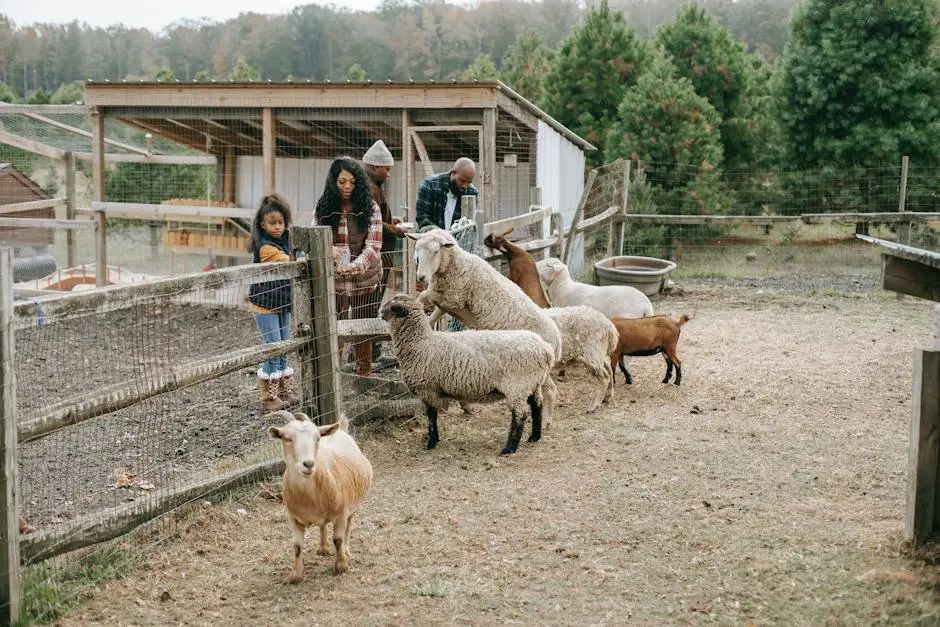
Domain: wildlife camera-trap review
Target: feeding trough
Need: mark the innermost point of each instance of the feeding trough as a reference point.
(647, 274)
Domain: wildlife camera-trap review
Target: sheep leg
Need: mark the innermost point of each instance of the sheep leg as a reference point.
(339, 542)
(549, 394)
(668, 370)
(536, 410)
(297, 530)
(626, 375)
(609, 378)
(515, 434)
(433, 436)
(324, 548)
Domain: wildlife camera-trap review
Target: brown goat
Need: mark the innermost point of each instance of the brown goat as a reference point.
(522, 270)
(649, 336)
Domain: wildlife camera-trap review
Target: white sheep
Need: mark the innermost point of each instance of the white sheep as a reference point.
(614, 301)
(470, 366)
(588, 337)
(326, 479)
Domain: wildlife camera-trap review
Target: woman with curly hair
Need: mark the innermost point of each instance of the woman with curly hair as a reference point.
(346, 206)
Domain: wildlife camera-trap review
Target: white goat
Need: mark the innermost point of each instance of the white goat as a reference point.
(326, 479)
(588, 337)
(470, 366)
(614, 301)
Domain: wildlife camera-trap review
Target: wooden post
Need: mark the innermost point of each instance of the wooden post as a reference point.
(922, 503)
(576, 218)
(314, 305)
(70, 207)
(228, 174)
(557, 228)
(469, 209)
(411, 194)
(267, 150)
(488, 183)
(625, 205)
(9, 527)
(98, 180)
(904, 228)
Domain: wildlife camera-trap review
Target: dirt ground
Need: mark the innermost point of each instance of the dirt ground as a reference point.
(769, 488)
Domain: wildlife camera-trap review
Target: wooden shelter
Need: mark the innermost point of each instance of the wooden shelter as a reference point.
(282, 136)
(21, 197)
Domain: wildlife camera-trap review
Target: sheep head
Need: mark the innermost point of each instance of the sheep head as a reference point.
(550, 269)
(401, 306)
(300, 439)
(432, 252)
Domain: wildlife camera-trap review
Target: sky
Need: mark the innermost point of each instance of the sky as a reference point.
(151, 14)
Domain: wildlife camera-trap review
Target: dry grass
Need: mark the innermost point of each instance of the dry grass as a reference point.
(768, 488)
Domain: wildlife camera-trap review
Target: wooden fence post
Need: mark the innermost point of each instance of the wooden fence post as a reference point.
(469, 209)
(314, 306)
(98, 194)
(10, 547)
(70, 206)
(576, 218)
(922, 503)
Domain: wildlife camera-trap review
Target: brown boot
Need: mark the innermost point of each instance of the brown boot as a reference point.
(363, 352)
(269, 400)
(288, 391)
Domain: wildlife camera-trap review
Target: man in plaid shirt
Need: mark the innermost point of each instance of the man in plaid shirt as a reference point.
(438, 203)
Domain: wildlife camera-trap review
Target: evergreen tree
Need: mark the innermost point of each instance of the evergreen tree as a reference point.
(356, 73)
(860, 83)
(525, 66)
(203, 76)
(68, 93)
(165, 75)
(6, 93)
(244, 72)
(591, 73)
(480, 70)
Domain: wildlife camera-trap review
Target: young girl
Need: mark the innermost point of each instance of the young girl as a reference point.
(271, 300)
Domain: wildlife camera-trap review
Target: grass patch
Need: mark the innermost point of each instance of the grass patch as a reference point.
(434, 589)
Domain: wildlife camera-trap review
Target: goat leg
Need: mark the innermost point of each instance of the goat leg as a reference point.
(324, 548)
(433, 436)
(626, 375)
(678, 373)
(297, 531)
(536, 409)
(668, 370)
(339, 539)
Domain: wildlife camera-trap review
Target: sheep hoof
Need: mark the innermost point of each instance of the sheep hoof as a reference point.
(507, 451)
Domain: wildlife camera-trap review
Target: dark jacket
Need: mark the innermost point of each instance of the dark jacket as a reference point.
(432, 199)
(272, 295)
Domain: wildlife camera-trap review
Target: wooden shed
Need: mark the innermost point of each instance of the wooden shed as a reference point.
(21, 197)
(282, 136)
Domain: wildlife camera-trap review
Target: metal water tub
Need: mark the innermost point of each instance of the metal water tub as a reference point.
(647, 274)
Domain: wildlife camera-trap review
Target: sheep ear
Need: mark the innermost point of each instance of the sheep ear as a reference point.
(329, 429)
(274, 432)
(398, 309)
(414, 236)
(447, 245)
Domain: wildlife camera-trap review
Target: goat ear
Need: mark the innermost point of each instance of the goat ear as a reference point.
(413, 236)
(447, 245)
(329, 429)
(274, 432)
(506, 232)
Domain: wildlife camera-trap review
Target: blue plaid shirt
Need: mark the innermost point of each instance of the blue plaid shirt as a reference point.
(432, 199)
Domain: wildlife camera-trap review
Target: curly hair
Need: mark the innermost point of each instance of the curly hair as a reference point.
(269, 204)
(330, 205)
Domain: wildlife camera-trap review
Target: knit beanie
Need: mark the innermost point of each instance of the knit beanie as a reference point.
(378, 155)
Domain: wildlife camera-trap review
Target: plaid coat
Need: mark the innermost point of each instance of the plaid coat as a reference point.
(368, 263)
(432, 199)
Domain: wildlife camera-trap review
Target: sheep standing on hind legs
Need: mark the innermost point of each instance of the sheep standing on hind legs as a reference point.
(326, 479)
(470, 366)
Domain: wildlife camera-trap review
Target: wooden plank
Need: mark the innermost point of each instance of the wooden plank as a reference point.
(267, 151)
(302, 308)
(32, 205)
(532, 246)
(881, 217)
(362, 329)
(910, 277)
(452, 128)
(31, 145)
(921, 256)
(578, 214)
(6, 107)
(116, 521)
(411, 193)
(106, 400)
(81, 132)
(921, 516)
(97, 194)
(807, 218)
(557, 231)
(116, 297)
(600, 219)
(519, 221)
(228, 174)
(70, 207)
(294, 95)
(45, 223)
(112, 157)
(323, 295)
(422, 153)
(488, 156)
(162, 212)
(9, 547)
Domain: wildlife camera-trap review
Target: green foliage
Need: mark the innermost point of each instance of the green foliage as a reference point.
(482, 69)
(203, 76)
(68, 93)
(40, 96)
(861, 84)
(525, 66)
(356, 73)
(6, 93)
(152, 184)
(592, 71)
(165, 75)
(244, 72)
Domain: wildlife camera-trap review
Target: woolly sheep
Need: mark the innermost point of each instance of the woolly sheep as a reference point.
(588, 337)
(326, 479)
(470, 366)
(614, 301)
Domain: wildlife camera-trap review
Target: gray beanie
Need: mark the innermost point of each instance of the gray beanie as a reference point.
(378, 155)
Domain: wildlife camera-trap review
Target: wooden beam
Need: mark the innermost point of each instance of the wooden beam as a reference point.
(112, 157)
(6, 107)
(408, 157)
(461, 128)
(267, 150)
(488, 156)
(70, 207)
(44, 223)
(921, 518)
(106, 400)
(160, 212)
(362, 329)
(228, 174)
(83, 133)
(117, 297)
(578, 213)
(602, 218)
(97, 194)
(31, 145)
(116, 521)
(514, 109)
(516, 222)
(910, 277)
(31, 205)
(422, 154)
(9, 546)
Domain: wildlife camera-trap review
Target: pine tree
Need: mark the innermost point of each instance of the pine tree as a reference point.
(356, 73)
(244, 72)
(591, 73)
(482, 69)
(525, 66)
(861, 84)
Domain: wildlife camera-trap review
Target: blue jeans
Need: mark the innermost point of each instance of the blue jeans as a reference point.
(274, 327)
